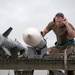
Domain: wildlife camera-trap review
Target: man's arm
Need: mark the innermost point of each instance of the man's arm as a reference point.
(44, 32)
(70, 30)
(48, 28)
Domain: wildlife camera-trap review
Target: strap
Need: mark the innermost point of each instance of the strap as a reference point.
(66, 43)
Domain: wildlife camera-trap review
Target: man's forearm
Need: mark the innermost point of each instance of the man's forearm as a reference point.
(71, 32)
(44, 32)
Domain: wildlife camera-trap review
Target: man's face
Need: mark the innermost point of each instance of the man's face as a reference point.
(59, 21)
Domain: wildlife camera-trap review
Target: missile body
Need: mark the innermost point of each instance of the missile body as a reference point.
(32, 37)
(10, 47)
(37, 43)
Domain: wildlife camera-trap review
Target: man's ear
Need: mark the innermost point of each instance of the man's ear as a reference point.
(54, 19)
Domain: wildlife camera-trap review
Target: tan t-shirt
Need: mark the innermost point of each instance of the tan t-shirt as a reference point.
(61, 32)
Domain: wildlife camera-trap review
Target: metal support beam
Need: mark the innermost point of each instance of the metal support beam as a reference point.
(50, 64)
(17, 72)
(24, 72)
(51, 72)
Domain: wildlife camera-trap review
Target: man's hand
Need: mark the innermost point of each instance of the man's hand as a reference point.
(65, 21)
(41, 33)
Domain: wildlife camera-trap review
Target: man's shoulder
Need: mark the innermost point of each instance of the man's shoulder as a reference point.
(51, 23)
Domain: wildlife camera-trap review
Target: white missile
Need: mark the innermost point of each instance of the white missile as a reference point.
(32, 37)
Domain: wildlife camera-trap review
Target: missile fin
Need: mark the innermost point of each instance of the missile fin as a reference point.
(7, 32)
(6, 51)
(2, 52)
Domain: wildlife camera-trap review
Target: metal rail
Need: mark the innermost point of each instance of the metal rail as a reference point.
(47, 63)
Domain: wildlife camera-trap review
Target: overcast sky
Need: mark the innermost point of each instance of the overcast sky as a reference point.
(22, 14)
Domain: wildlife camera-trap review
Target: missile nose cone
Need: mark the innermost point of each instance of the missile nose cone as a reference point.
(32, 37)
(29, 36)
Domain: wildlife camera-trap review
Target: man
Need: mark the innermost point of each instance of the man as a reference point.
(63, 30)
